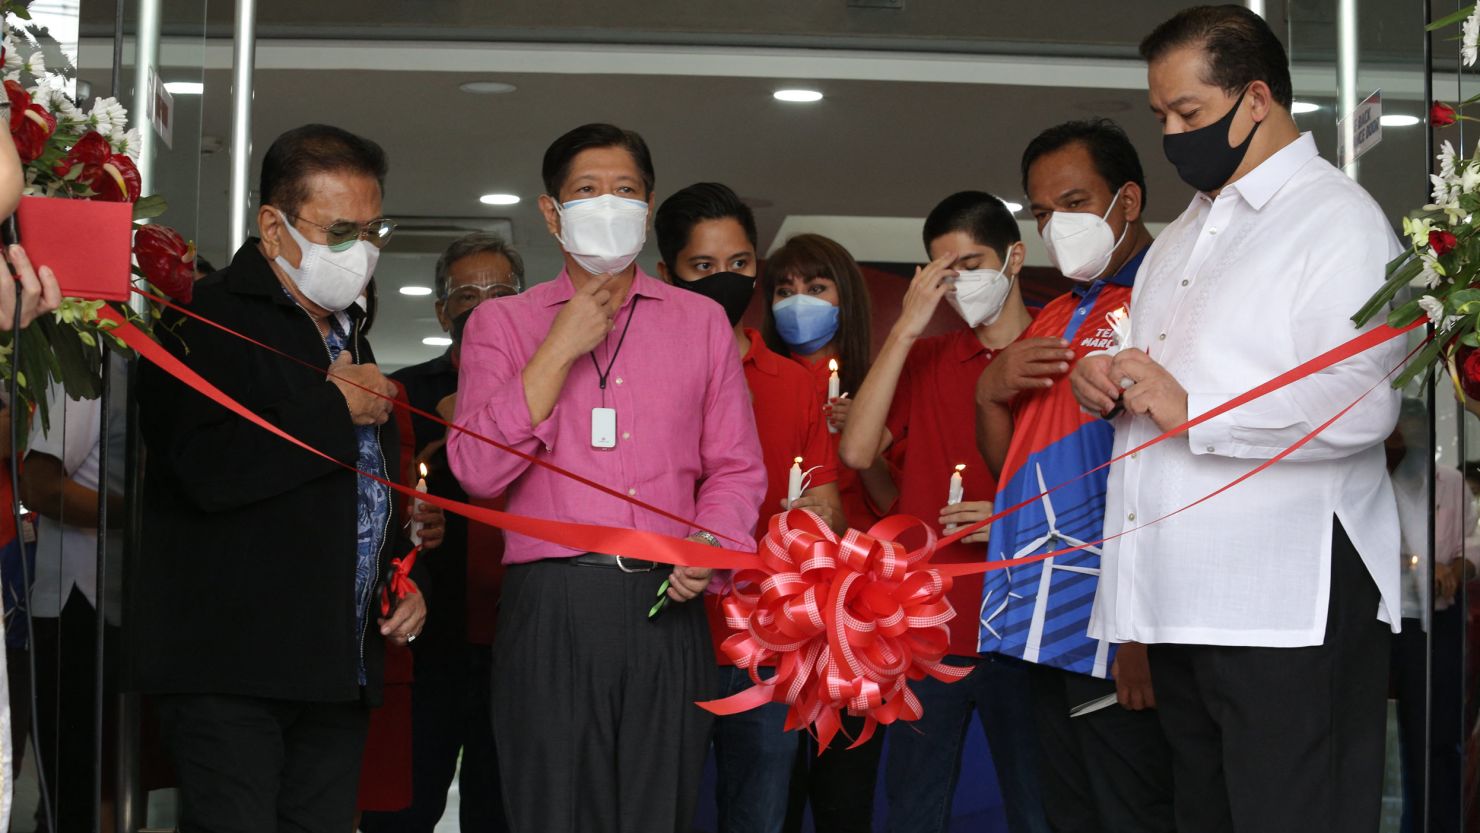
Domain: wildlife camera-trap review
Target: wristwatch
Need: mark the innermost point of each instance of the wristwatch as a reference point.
(706, 538)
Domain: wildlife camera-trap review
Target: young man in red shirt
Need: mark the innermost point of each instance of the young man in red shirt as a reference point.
(920, 391)
(707, 242)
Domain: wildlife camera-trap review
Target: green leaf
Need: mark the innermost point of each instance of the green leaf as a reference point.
(147, 208)
(1450, 19)
(1405, 315)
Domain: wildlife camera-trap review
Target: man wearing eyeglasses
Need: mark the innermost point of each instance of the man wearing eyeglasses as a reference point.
(450, 712)
(258, 612)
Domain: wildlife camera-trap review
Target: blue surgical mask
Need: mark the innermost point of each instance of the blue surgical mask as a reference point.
(806, 323)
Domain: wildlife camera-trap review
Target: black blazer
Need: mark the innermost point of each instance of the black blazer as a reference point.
(244, 583)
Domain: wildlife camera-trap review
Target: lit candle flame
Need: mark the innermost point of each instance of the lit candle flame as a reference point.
(797, 460)
(1120, 314)
(832, 364)
(960, 467)
(423, 469)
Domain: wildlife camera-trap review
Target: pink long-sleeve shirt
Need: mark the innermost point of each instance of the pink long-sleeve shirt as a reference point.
(686, 437)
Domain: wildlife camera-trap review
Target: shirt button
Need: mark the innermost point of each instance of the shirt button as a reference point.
(1135, 455)
(1162, 337)
(619, 380)
(1212, 231)
(1184, 281)
(1131, 516)
(1210, 449)
(632, 493)
(626, 436)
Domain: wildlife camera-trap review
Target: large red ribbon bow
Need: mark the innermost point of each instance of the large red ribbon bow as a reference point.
(847, 622)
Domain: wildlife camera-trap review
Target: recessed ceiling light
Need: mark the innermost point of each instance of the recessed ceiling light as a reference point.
(416, 291)
(185, 87)
(803, 96)
(487, 87)
(1304, 107)
(1014, 207)
(437, 341)
(499, 199)
(1399, 120)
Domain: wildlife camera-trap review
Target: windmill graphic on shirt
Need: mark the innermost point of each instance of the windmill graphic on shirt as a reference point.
(1005, 612)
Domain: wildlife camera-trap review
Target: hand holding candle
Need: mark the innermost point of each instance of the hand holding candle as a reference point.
(421, 487)
(955, 493)
(834, 390)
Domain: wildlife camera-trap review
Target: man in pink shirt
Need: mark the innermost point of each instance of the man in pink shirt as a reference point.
(635, 384)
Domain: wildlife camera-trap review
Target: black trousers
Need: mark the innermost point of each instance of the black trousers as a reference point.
(450, 721)
(593, 702)
(1429, 697)
(840, 783)
(66, 708)
(1283, 740)
(1109, 771)
(250, 765)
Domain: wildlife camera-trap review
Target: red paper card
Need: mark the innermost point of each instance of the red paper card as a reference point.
(87, 243)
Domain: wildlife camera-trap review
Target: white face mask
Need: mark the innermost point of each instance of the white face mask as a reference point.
(1080, 244)
(605, 233)
(980, 294)
(330, 278)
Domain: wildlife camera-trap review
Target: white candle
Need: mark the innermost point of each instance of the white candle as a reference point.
(834, 390)
(794, 482)
(421, 487)
(954, 496)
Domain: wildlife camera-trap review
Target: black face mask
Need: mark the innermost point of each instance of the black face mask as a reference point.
(1202, 157)
(730, 290)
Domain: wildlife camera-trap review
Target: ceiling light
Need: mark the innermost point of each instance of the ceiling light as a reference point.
(1014, 207)
(437, 341)
(416, 291)
(1399, 120)
(803, 96)
(499, 199)
(487, 87)
(185, 87)
(1300, 107)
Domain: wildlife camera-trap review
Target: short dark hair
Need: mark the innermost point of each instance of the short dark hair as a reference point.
(1115, 158)
(810, 256)
(563, 151)
(1239, 45)
(315, 149)
(982, 216)
(476, 243)
(677, 216)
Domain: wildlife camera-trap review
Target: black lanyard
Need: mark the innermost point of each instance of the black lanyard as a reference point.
(602, 377)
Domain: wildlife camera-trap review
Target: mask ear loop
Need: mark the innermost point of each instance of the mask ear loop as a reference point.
(1105, 218)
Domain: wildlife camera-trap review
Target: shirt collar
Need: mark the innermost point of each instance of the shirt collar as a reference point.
(1258, 187)
(1124, 276)
(764, 359)
(968, 346)
(642, 284)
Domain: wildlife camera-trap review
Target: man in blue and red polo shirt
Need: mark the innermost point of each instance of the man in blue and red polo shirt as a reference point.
(1110, 768)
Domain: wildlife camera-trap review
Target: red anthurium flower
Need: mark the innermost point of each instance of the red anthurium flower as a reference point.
(166, 260)
(1442, 242)
(30, 124)
(1469, 371)
(112, 176)
(1442, 115)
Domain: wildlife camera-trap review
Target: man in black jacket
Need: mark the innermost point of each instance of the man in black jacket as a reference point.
(258, 613)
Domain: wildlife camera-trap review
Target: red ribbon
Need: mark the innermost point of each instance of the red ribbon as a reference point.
(847, 622)
(400, 582)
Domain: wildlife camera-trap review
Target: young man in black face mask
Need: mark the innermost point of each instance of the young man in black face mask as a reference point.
(707, 241)
(1268, 610)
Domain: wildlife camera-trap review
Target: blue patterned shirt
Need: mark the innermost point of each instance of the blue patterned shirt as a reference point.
(374, 502)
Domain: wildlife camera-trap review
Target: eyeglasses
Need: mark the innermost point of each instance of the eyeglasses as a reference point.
(475, 293)
(342, 233)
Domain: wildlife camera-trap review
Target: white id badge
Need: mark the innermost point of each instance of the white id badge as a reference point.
(603, 428)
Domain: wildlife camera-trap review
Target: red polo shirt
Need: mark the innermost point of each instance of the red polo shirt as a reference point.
(857, 508)
(788, 417)
(934, 411)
